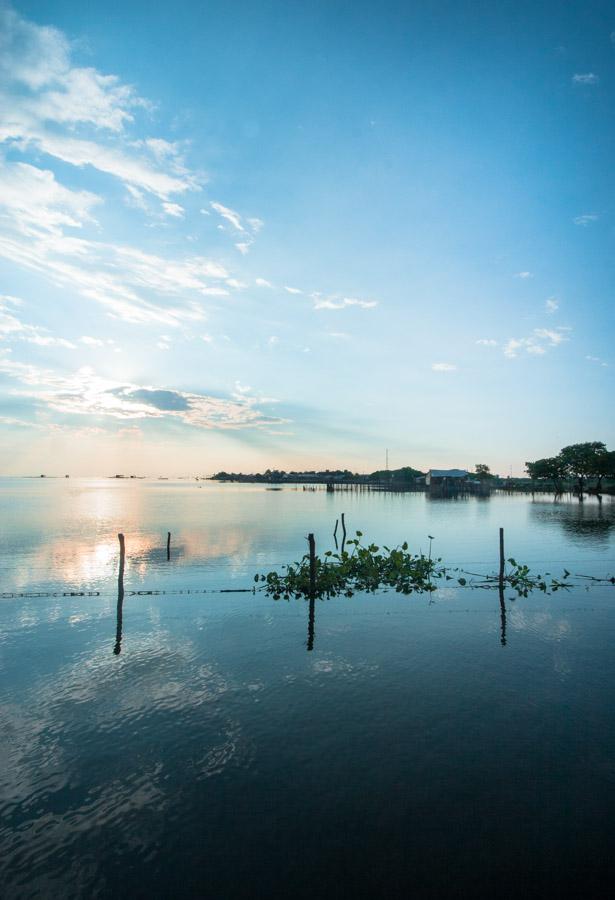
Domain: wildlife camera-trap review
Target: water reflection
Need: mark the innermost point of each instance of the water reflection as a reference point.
(117, 649)
(583, 523)
(310, 640)
(120, 596)
(502, 617)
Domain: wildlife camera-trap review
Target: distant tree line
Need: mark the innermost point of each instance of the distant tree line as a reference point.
(404, 475)
(577, 463)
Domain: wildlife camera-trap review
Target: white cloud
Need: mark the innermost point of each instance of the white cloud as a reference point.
(262, 282)
(45, 99)
(586, 219)
(36, 202)
(487, 342)
(524, 275)
(248, 229)
(552, 305)
(91, 341)
(343, 303)
(554, 337)
(538, 342)
(598, 361)
(35, 214)
(13, 329)
(229, 214)
(292, 290)
(443, 367)
(86, 393)
(585, 78)
(173, 209)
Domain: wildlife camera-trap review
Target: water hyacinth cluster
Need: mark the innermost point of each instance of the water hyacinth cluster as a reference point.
(361, 568)
(372, 568)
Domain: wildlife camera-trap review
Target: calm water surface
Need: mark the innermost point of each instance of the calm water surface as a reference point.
(415, 750)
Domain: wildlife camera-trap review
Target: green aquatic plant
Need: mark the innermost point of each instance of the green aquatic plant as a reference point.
(362, 568)
(373, 568)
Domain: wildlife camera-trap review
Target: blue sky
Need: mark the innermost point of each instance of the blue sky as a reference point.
(248, 235)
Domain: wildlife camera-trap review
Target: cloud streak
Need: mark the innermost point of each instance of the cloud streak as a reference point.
(78, 115)
(84, 393)
(537, 343)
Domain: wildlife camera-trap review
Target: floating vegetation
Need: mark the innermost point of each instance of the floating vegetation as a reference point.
(372, 568)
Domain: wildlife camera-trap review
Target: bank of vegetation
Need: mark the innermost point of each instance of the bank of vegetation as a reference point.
(581, 468)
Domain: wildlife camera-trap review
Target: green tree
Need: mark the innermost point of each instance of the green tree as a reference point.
(482, 471)
(551, 468)
(603, 467)
(583, 460)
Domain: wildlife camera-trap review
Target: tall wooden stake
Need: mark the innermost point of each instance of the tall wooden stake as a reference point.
(120, 577)
(312, 544)
(501, 577)
(168, 545)
(343, 532)
(120, 597)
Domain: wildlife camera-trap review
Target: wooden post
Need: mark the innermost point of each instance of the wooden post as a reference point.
(120, 597)
(343, 532)
(501, 592)
(168, 545)
(501, 576)
(120, 577)
(312, 544)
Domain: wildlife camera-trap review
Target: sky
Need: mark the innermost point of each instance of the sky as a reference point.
(294, 235)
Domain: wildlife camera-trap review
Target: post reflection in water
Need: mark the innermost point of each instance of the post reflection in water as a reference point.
(502, 618)
(117, 649)
(310, 640)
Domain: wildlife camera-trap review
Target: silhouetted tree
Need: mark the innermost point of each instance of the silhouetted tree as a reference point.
(583, 460)
(551, 468)
(482, 471)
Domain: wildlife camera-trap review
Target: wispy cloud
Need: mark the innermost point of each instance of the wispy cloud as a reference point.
(292, 290)
(524, 275)
(536, 344)
(13, 329)
(487, 342)
(341, 303)
(585, 78)
(443, 367)
(597, 361)
(86, 393)
(37, 231)
(229, 214)
(552, 305)
(45, 99)
(248, 228)
(585, 219)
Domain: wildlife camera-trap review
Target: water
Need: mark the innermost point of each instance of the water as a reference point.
(409, 752)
